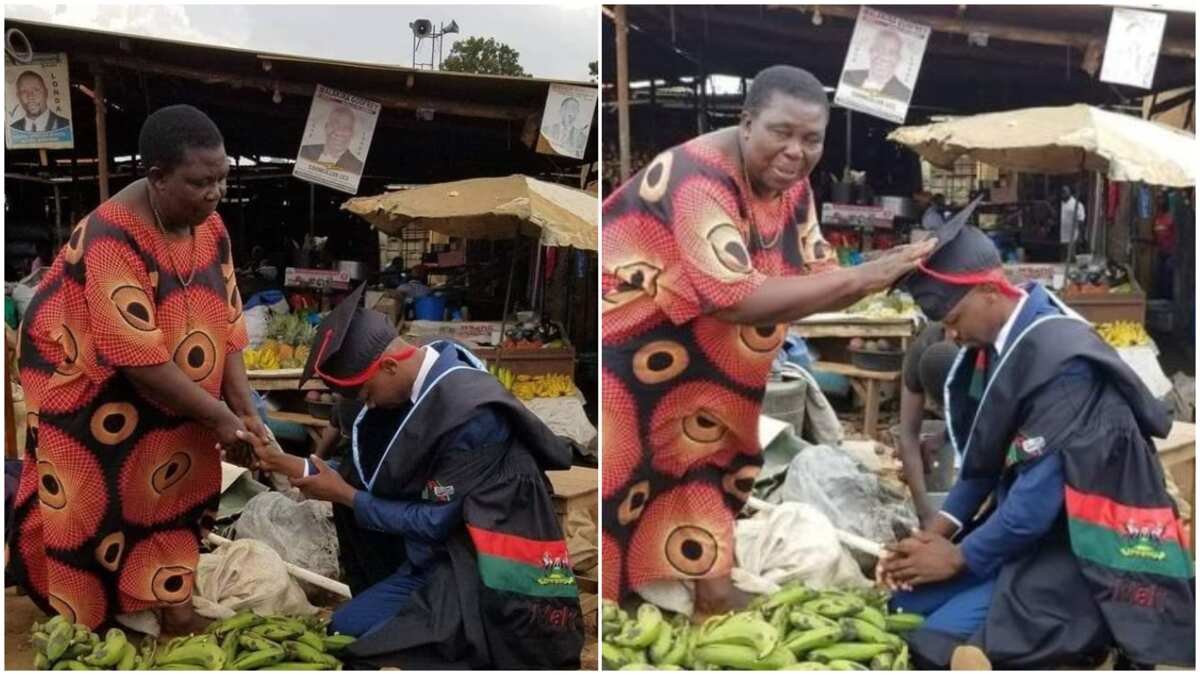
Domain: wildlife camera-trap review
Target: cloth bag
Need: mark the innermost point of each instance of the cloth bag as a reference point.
(247, 574)
(788, 543)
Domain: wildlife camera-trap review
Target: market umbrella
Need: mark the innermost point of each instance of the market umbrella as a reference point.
(488, 208)
(1064, 139)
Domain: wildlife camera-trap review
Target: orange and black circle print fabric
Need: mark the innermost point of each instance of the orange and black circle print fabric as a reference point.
(681, 389)
(115, 486)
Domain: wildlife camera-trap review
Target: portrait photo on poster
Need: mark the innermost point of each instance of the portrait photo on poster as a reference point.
(336, 139)
(37, 99)
(1131, 52)
(882, 64)
(567, 120)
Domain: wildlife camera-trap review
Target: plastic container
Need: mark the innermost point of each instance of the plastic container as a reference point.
(430, 308)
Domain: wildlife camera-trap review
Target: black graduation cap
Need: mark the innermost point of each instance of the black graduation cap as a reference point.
(961, 251)
(349, 339)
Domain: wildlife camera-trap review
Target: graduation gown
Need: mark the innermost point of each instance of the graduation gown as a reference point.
(502, 594)
(1117, 570)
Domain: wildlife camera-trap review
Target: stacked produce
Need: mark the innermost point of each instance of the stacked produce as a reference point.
(289, 339)
(796, 628)
(245, 641)
(1123, 334)
(526, 387)
(884, 306)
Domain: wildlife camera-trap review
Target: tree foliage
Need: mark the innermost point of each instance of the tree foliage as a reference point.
(484, 57)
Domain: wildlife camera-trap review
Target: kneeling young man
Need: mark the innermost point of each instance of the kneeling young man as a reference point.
(445, 523)
(1080, 548)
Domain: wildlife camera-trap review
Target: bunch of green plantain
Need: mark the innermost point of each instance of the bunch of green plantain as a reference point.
(795, 628)
(244, 641)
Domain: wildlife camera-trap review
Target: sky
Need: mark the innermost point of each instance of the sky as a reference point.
(553, 41)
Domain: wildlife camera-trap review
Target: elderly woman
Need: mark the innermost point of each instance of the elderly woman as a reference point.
(708, 253)
(130, 357)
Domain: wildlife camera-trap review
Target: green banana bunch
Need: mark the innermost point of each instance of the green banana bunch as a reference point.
(791, 594)
(849, 651)
(58, 638)
(882, 661)
(903, 621)
(337, 642)
(240, 621)
(662, 644)
(817, 638)
(200, 652)
(873, 616)
(614, 657)
(741, 657)
(299, 651)
(642, 633)
(857, 630)
(295, 665)
(780, 620)
(109, 652)
(835, 606)
(259, 659)
(843, 664)
(902, 661)
(808, 665)
(70, 664)
(742, 628)
(802, 620)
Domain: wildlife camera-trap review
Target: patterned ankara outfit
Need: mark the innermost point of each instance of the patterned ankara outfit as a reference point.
(115, 486)
(683, 389)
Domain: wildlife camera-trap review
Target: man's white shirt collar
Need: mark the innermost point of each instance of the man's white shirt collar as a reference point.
(430, 357)
(1002, 336)
(39, 123)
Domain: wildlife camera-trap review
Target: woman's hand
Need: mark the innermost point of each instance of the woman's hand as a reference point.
(267, 453)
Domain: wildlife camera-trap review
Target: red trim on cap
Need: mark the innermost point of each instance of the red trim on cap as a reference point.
(994, 276)
(362, 376)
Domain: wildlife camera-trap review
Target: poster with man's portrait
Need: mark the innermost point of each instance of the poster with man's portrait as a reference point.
(567, 120)
(881, 68)
(1131, 52)
(37, 100)
(336, 139)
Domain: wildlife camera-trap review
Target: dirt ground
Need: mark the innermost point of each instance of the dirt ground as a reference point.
(19, 615)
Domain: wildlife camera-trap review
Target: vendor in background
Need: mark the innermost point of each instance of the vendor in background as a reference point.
(1165, 242)
(1082, 548)
(934, 215)
(1072, 217)
(708, 253)
(446, 530)
(130, 357)
(926, 366)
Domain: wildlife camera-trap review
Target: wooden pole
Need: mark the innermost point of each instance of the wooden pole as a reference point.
(101, 136)
(622, 29)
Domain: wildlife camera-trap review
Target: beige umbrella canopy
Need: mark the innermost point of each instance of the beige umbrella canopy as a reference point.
(1067, 139)
(488, 208)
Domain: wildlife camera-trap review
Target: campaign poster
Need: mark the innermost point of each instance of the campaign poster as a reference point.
(336, 139)
(882, 65)
(567, 120)
(37, 99)
(1131, 52)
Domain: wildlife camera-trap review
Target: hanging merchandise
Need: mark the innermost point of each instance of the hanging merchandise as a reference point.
(1145, 202)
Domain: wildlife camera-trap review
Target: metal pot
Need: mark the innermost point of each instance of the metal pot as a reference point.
(355, 268)
(903, 207)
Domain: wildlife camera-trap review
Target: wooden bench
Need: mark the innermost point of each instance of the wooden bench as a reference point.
(866, 384)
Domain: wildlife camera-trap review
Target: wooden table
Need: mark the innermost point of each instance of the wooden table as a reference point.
(283, 379)
(866, 384)
(313, 425)
(1177, 452)
(852, 326)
